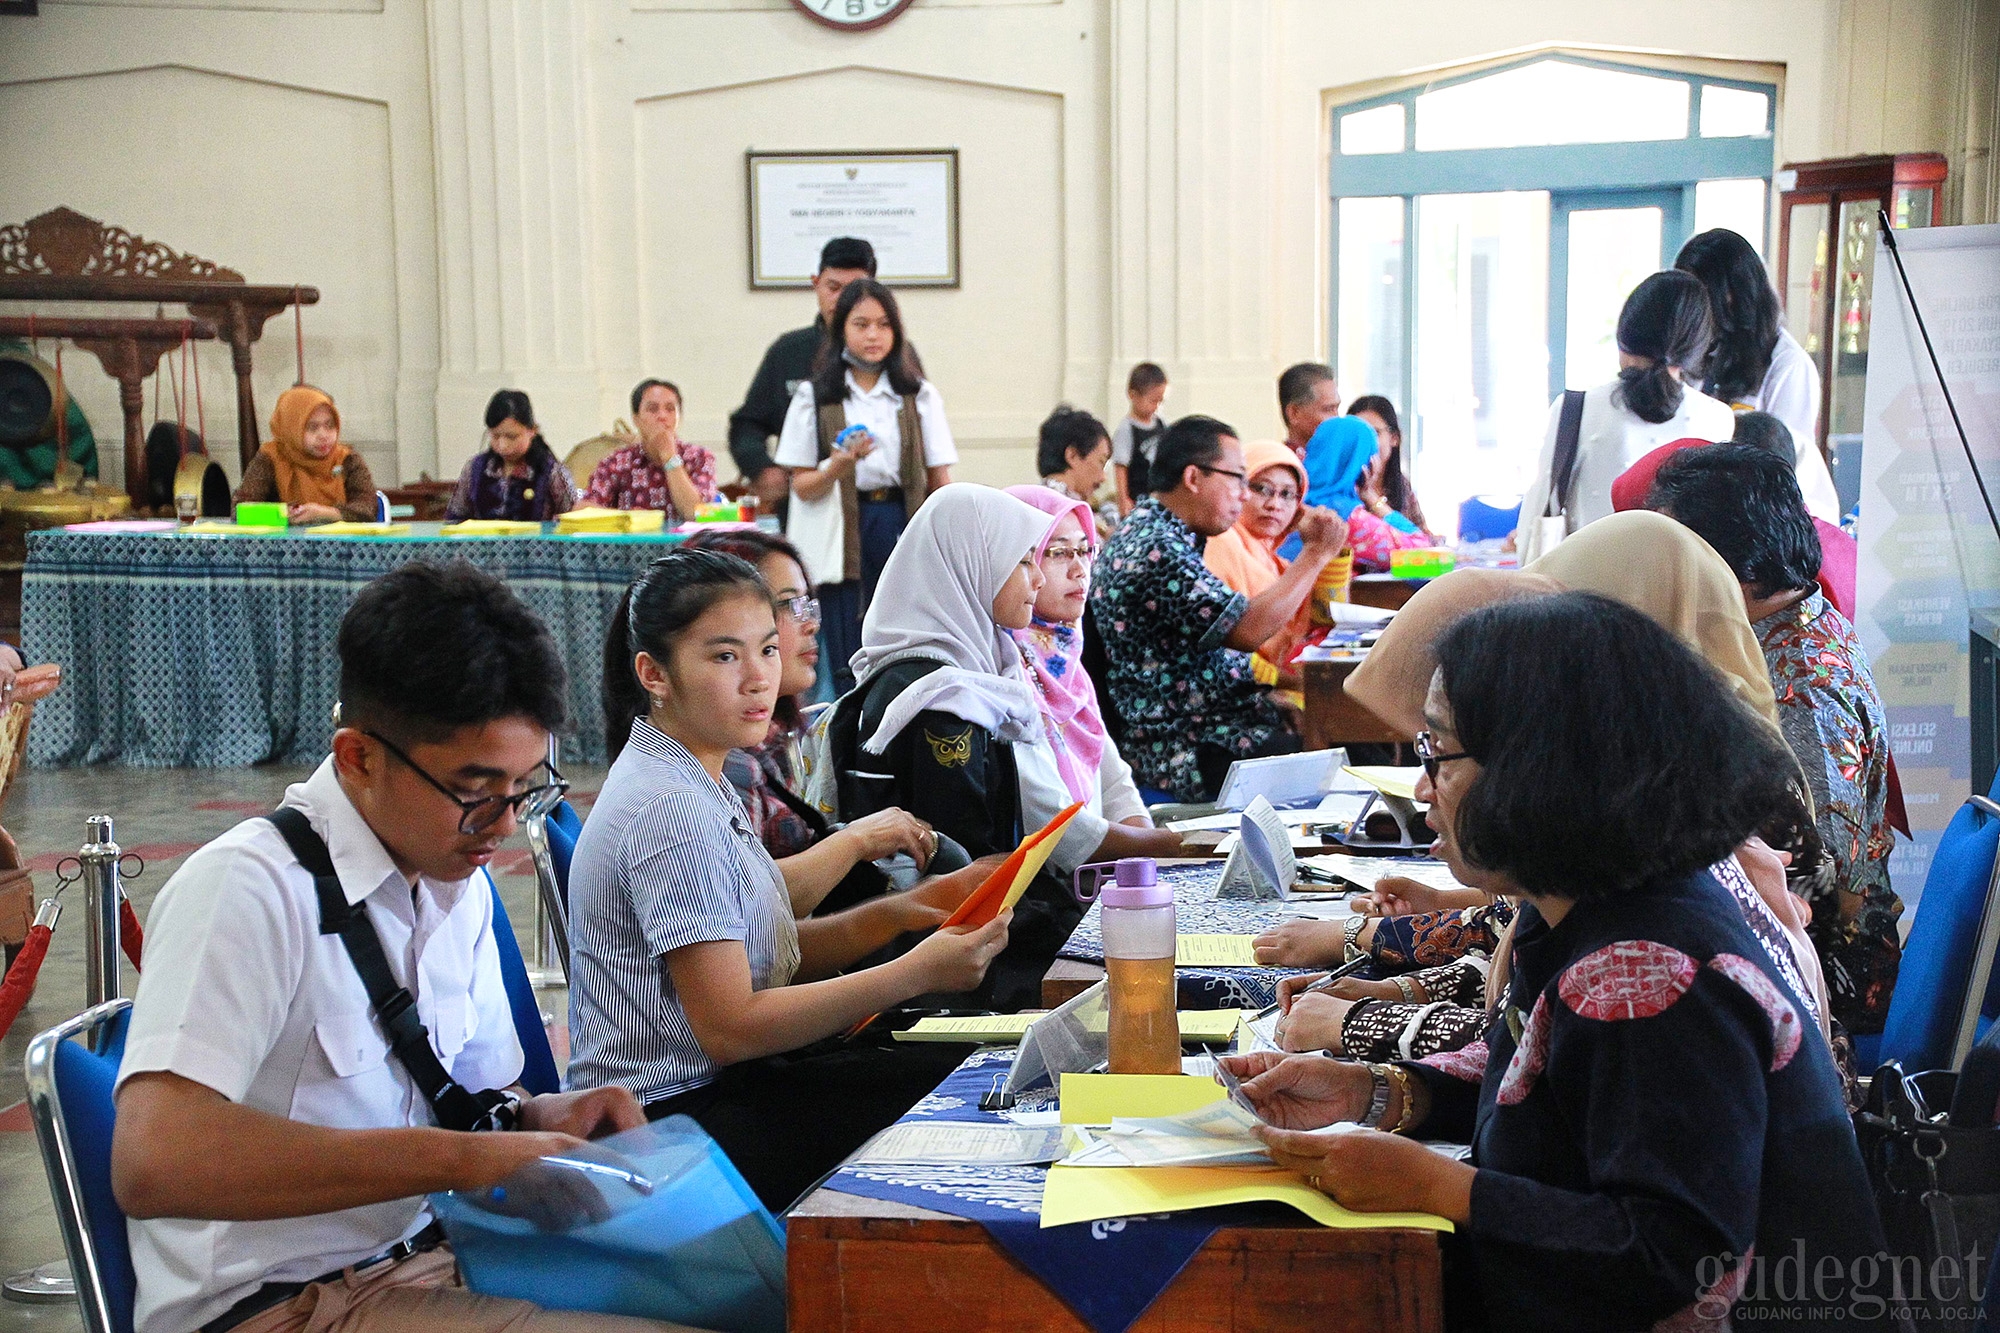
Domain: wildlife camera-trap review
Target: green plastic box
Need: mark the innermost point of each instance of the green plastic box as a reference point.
(261, 514)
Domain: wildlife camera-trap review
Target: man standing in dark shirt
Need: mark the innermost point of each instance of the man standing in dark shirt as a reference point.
(786, 362)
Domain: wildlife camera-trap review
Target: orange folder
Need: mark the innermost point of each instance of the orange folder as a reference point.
(1004, 887)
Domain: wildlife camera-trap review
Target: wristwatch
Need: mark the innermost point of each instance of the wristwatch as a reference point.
(1378, 1097)
(674, 460)
(1350, 938)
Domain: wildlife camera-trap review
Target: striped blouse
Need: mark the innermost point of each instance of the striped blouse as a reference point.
(666, 859)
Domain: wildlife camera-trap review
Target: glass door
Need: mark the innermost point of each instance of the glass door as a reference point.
(1602, 244)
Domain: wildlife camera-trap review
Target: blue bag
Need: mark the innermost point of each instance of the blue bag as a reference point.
(654, 1223)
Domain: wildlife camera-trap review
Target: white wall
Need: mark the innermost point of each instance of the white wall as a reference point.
(548, 194)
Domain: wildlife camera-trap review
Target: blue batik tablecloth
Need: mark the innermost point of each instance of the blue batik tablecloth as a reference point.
(1107, 1271)
(217, 651)
(1197, 911)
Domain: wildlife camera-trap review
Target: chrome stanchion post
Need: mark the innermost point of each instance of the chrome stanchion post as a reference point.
(52, 1283)
(548, 972)
(99, 855)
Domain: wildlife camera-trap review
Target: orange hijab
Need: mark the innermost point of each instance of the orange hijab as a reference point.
(1239, 557)
(303, 479)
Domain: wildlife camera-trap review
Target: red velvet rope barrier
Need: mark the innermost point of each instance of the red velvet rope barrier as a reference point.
(20, 983)
(129, 934)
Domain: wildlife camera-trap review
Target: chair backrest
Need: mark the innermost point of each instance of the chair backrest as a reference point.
(538, 1069)
(1488, 517)
(381, 506)
(1941, 962)
(71, 1069)
(551, 844)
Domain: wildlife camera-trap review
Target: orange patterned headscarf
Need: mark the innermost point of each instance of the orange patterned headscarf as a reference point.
(303, 479)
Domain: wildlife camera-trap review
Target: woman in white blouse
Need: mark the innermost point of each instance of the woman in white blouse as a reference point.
(866, 440)
(1754, 363)
(1663, 336)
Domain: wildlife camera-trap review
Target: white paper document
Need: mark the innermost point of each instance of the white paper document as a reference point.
(947, 1143)
(1218, 1134)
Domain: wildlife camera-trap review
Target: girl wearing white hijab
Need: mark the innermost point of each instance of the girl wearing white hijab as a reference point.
(941, 700)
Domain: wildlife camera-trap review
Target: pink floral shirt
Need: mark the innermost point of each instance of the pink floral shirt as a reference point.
(627, 479)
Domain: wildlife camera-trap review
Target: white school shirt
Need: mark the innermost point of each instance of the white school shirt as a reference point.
(1790, 392)
(1609, 440)
(816, 526)
(1044, 795)
(241, 993)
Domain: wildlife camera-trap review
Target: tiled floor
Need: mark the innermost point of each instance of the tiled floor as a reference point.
(162, 815)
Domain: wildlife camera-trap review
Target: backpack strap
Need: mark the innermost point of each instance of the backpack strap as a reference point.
(832, 421)
(1562, 471)
(395, 1008)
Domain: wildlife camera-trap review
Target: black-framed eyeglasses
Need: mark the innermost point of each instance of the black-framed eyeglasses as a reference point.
(1240, 478)
(1264, 492)
(477, 816)
(1428, 756)
(803, 609)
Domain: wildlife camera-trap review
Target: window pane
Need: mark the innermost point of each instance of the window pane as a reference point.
(1552, 102)
(1731, 112)
(1737, 205)
(1376, 130)
(1371, 297)
(1482, 347)
(1611, 250)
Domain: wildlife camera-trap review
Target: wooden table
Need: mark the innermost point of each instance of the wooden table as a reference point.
(1334, 719)
(1383, 590)
(858, 1265)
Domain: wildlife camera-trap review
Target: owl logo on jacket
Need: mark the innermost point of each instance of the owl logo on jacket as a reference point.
(951, 751)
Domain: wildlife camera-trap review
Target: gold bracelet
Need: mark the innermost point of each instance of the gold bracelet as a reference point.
(1407, 1112)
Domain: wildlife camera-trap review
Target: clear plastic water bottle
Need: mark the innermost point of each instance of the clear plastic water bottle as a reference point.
(1139, 929)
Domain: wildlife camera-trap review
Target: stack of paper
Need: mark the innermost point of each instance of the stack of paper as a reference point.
(1363, 871)
(1219, 1134)
(610, 520)
(954, 1142)
(491, 527)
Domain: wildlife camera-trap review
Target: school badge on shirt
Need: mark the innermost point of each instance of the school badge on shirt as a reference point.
(951, 751)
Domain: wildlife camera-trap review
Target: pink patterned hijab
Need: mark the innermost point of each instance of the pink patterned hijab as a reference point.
(1053, 652)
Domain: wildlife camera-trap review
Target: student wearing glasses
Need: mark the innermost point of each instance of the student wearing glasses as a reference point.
(253, 1037)
(1177, 637)
(1079, 762)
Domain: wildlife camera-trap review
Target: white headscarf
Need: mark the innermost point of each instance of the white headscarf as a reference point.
(935, 601)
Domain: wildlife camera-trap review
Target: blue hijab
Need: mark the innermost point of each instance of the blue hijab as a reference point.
(1337, 458)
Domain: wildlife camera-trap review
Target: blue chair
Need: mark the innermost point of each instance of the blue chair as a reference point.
(538, 1068)
(1944, 991)
(381, 506)
(71, 1069)
(552, 843)
(1488, 518)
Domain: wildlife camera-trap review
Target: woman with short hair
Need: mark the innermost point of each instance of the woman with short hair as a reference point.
(1652, 1124)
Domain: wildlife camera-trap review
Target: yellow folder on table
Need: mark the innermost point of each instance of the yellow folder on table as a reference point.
(1217, 1025)
(491, 527)
(611, 520)
(1214, 951)
(1398, 782)
(360, 529)
(1089, 1193)
(1098, 1099)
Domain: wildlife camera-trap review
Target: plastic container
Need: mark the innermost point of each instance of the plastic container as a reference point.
(1139, 934)
(654, 1223)
(1423, 562)
(262, 514)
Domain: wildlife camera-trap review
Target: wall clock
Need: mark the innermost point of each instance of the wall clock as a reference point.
(851, 15)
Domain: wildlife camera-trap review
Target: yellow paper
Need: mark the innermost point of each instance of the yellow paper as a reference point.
(1399, 782)
(611, 520)
(360, 529)
(1216, 1025)
(1088, 1193)
(491, 527)
(232, 529)
(1031, 865)
(1098, 1099)
(1214, 951)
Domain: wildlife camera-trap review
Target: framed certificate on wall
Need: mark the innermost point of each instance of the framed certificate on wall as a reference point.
(904, 204)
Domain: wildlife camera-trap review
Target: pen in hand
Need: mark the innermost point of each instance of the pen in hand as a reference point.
(1324, 983)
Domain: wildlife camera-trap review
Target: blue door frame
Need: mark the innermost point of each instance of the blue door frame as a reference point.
(1676, 221)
